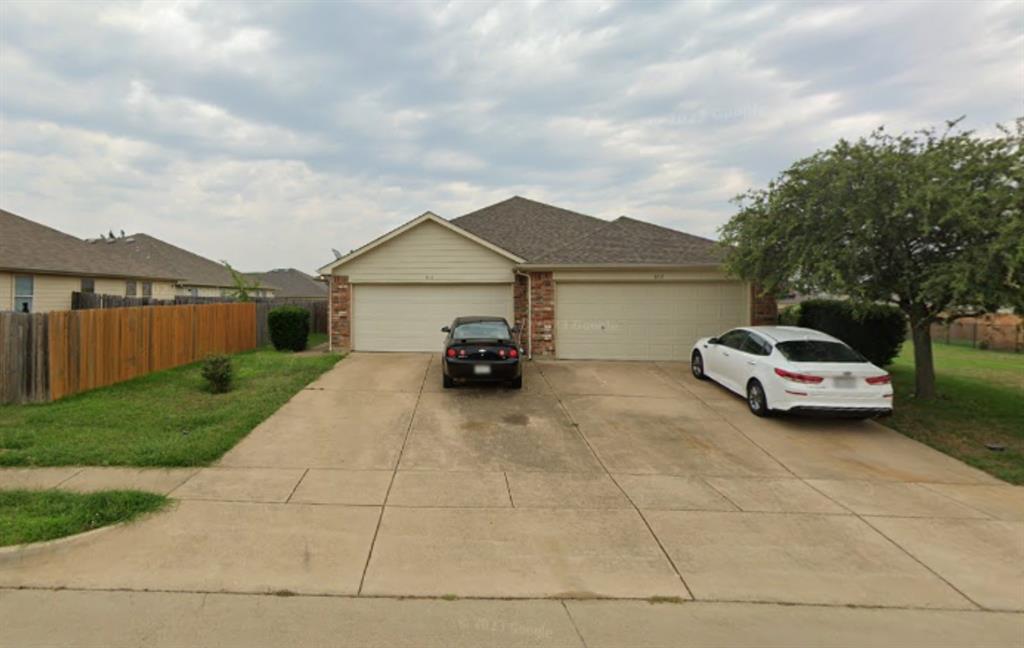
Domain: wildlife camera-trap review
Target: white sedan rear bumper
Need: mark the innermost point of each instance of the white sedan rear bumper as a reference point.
(791, 398)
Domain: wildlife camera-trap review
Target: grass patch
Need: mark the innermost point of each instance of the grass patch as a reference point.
(980, 396)
(316, 339)
(167, 418)
(35, 516)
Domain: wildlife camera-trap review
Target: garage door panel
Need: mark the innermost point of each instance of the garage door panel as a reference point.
(643, 321)
(409, 317)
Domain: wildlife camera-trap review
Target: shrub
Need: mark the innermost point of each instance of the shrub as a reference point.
(219, 373)
(790, 315)
(875, 330)
(289, 328)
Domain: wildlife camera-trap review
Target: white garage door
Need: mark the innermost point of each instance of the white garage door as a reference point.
(410, 317)
(643, 321)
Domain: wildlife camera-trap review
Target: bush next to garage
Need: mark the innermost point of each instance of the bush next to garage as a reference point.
(289, 328)
(875, 330)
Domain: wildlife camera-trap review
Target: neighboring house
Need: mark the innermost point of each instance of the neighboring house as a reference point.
(40, 267)
(579, 287)
(200, 277)
(289, 282)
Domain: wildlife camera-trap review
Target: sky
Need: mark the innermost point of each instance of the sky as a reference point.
(268, 133)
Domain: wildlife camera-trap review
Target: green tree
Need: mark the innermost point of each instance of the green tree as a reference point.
(244, 287)
(931, 221)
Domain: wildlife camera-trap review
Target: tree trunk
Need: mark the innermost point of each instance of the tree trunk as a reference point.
(924, 364)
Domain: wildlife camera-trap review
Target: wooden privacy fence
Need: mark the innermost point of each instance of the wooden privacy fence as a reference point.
(317, 307)
(48, 356)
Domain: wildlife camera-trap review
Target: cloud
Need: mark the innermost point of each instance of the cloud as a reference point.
(267, 133)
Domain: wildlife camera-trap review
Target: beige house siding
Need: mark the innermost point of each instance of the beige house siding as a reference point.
(428, 253)
(6, 291)
(53, 292)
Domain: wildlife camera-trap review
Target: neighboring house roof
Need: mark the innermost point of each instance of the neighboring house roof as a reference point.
(194, 270)
(526, 227)
(401, 229)
(291, 283)
(26, 246)
(627, 241)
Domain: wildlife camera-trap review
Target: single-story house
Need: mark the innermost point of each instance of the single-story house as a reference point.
(200, 277)
(40, 267)
(291, 283)
(579, 287)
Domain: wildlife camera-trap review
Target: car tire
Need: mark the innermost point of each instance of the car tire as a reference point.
(756, 400)
(697, 366)
(447, 382)
(517, 383)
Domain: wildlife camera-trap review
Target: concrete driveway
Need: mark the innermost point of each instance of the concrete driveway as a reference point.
(597, 480)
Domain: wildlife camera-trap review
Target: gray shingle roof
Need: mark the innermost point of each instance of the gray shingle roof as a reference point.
(630, 241)
(290, 282)
(544, 234)
(194, 270)
(26, 245)
(527, 228)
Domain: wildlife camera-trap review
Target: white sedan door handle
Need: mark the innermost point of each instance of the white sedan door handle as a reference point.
(752, 364)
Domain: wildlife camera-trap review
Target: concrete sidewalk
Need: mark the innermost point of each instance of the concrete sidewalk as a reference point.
(162, 619)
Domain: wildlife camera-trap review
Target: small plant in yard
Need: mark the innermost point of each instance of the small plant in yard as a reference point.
(219, 373)
(289, 328)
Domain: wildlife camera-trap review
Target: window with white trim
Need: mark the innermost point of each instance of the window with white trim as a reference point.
(24, 292)
(129, 288)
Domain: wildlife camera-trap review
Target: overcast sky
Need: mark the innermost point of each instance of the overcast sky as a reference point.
(265, 134)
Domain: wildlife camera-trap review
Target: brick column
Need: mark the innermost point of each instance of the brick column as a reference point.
(764, 311)
(542, 298)
(520, 310)
(341, 313)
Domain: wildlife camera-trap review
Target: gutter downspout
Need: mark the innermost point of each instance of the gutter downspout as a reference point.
(330, 312)
(529, 311)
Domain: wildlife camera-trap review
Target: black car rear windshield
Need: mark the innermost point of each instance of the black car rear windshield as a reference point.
(818, 351)
(482, 331)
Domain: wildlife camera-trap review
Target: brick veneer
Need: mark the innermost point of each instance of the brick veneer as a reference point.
(520, 308)
(763, 308)
(341, 313)
(542, 298)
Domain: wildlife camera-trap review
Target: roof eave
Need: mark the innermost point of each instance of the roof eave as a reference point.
(619, 266)
(86, 275)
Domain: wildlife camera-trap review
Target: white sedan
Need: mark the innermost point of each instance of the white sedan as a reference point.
(788, 368)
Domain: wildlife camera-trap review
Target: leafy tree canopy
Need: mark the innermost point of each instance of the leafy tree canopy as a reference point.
(932, 221)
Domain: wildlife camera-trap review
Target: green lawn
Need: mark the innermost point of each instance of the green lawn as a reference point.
(315, 338)
(981, 400)
(34, 516)
(163, 419)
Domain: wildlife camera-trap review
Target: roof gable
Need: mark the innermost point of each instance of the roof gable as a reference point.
(402, 229)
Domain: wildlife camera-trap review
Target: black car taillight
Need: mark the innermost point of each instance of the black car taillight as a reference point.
(450, 352)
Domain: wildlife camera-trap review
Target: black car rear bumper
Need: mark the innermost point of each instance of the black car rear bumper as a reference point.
(501, 370)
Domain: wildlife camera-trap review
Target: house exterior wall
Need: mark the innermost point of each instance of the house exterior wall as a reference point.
(428, 253)
(340, 305)
(6, 291)
(53, 292)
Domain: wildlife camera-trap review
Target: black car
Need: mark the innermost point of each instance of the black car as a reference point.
(481, 349)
